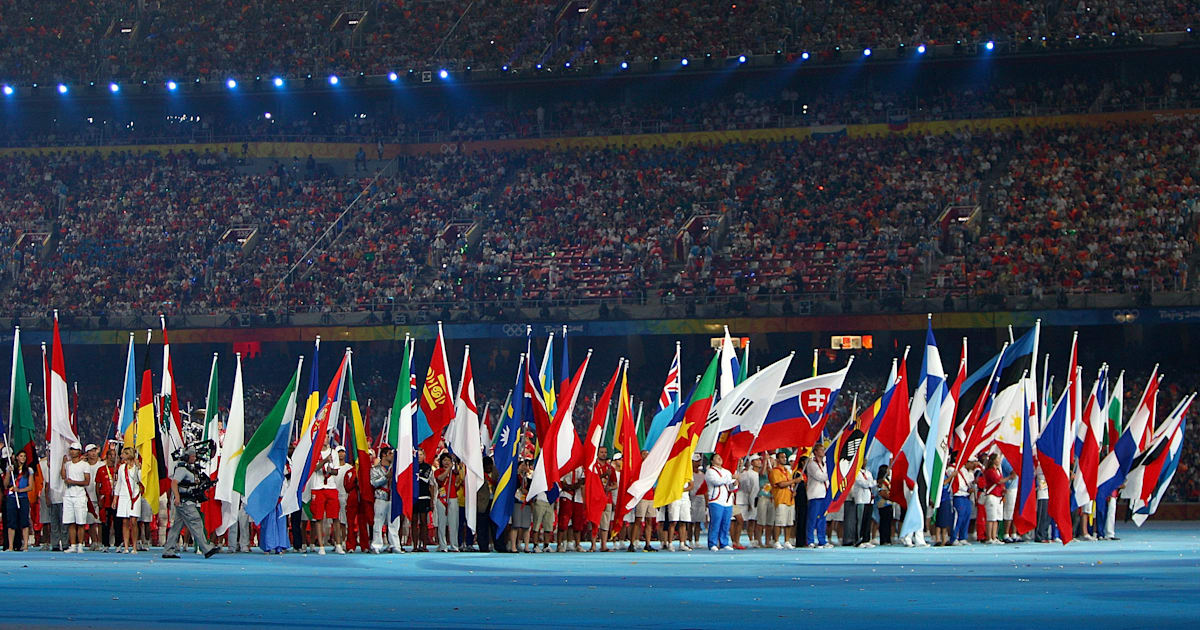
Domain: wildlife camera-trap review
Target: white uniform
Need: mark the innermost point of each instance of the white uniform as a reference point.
(128, 492)
(75, 510)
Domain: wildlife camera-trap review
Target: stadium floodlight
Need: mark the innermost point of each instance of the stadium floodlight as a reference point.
(683, 62)
(504, 68)
(172, 86)
(8, 90)
(267, 115)
(741, 58)
(990, 45)
(624, 65)
(804, 55)
(866, 52)
(443, 74)
(62, 89)
(114, 88)
(277, 82)
(921, 49)
(333, 79)
(231, 84)
(567, 64)
(393, 77)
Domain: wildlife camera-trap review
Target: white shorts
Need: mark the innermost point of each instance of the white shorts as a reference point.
(144, 513)
(680, 511)
(75, 510)
(127, 508)
(836, 516)
(993, 507)
(1010, 504)
(766, 511)
(784, 516)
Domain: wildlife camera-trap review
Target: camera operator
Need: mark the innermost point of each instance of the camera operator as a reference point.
(187, 493)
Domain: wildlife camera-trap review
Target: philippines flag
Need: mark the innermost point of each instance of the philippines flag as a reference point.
(1054, 456)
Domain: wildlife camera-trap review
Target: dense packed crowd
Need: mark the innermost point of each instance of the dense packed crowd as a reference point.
(213, 39)
(824, 216)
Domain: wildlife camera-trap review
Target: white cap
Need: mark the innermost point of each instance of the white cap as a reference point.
(90, 447)
(695, 457)
(75, 446)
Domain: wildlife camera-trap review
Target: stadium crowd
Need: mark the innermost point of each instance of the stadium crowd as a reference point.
(214, 39)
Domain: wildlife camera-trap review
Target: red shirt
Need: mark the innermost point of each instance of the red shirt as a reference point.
(994, 480)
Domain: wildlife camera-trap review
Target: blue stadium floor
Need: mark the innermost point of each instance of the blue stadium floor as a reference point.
(1149, 578)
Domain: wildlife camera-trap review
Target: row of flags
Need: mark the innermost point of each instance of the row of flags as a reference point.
(922, 434)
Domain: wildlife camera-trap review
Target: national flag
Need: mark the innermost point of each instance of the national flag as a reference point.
(796, 417)
(916, 456)
(941, 453)
(307, 454)
(495, 434)
(170, 402)
(626, 442)
(534, 397)
(1114, 413)
(595, 495)
(507, 453)
(1054, 457)
(545, 378)
(1158, 466)
(1008, 412)
(58, 429)
(129, 399)
(862, 423)
(462, 437)
(261, 469)
(312, 401)
(20, 412)
(845, 449)
(400, 437)
(1116, 465)
(561, 450)
(358, 445)
(232, 447)
(745, 407)
(745, 372)
(144, 442)
(436, 404)
(1148, 465)
(887, 435)
(1025, 514)
(668, 401)
(678, 469)
(730, 369)
(1087, 442)
(212, 423)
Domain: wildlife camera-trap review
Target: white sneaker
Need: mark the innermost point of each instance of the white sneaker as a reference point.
(827, 545)
(779, 545)
(670, 547)
(339, 550)
(321, 550)
(684, 548)
(788, 545)
(812, 545)
(713, 548)
(726, 548)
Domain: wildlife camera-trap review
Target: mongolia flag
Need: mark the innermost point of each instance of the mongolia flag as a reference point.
(260, 471)
(796, 418)
(507, 453)
(1116, 465)
(400, 437)
(308, 451)
(678, 469)
(594, 493)
(1054, 456)
(436, 404)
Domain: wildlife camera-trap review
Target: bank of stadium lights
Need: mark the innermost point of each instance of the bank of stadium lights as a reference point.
(446, 75)
(921, 49)
(393, 77)
(8, 90)
(62, 88)
(231, 84)
(333, 79)
(114, 88)
(866, 52)
(624, 65)
(172, 86)
(741, 58)
(804, 55)
(991, 45)
(277, 82)
(683, 62)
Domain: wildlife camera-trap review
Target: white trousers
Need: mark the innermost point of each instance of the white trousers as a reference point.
(445, 517)
(383, 510)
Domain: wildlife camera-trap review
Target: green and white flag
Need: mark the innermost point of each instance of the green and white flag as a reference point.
(260, 473)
